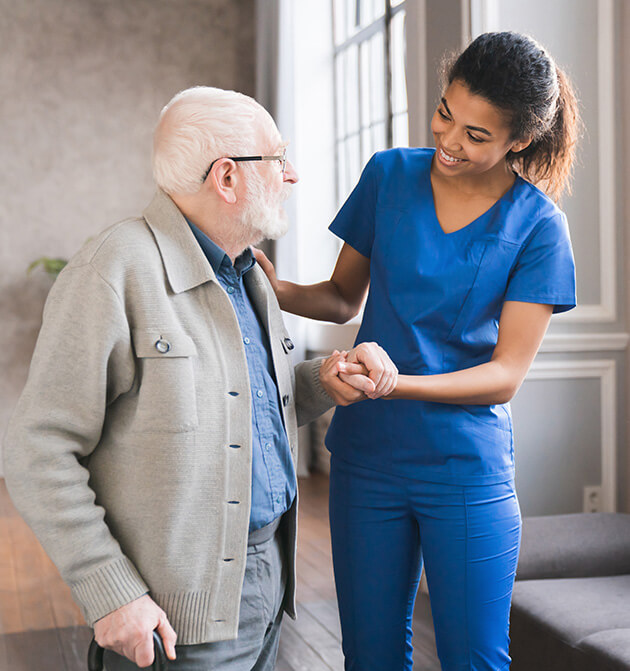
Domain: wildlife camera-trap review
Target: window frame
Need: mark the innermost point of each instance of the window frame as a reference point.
(380, 25)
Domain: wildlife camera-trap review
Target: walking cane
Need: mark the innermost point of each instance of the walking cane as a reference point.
(95, 655)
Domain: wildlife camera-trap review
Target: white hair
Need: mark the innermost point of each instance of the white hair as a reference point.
(202, 124)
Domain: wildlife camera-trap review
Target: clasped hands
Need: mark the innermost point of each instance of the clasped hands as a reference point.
(364, 372)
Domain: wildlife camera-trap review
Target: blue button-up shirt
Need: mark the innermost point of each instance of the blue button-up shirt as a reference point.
(273, 476)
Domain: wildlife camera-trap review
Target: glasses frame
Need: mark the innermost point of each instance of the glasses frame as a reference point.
(238, 159)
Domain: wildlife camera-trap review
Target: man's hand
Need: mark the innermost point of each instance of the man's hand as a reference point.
(357, 384)
(129, 631)
(380, 367)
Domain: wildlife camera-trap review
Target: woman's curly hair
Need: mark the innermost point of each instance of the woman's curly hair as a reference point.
(517, 75)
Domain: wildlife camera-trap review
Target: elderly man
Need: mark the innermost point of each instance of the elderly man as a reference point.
(153, 449)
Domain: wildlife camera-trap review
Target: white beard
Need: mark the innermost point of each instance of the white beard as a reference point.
(260, 219)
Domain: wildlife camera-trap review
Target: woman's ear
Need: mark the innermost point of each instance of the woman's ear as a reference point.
(223, 178)
(519, 145)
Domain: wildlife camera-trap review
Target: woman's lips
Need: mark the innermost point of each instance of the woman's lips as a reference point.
(447, 159)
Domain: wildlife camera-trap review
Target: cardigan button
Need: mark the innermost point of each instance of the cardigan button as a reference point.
(285, 400)
(162, 346)
(289, 344)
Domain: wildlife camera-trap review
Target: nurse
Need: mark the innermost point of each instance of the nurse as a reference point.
(466, 256)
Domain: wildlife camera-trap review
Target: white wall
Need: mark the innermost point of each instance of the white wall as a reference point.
(569, 416)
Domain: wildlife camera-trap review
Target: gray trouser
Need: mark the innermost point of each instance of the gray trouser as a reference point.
(256, 647)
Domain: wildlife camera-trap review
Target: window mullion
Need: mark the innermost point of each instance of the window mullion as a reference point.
(388, 75)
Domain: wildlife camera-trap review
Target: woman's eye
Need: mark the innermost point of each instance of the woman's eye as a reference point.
(446, 118)
(475, 139)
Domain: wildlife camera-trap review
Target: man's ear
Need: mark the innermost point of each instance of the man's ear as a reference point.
(223, 178)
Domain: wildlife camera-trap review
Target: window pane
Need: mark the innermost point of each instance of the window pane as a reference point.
(352, 88)
(378, 93)
(351, 17)
(340, 95)
(342, 171)
(354, 161)
(339, 20)
(366, 145)
(366, 83)
(379, 137)
(399, 85)
(401, 130)
(371, 10)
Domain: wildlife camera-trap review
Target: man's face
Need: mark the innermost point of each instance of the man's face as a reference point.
(267, 188)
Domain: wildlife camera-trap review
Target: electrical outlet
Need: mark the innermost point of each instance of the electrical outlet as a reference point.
(592, 499)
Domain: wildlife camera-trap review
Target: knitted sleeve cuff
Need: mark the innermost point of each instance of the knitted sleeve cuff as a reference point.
(107, 589)
(312, 400)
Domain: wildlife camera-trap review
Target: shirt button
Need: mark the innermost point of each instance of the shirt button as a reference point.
(267, 446)
(259, 393)
(246, 340)
(277, 499)
(230, 290)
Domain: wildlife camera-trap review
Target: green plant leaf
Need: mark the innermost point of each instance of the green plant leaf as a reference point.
(52, 266)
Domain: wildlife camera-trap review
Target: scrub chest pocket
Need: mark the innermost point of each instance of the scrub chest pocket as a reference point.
(167, 400)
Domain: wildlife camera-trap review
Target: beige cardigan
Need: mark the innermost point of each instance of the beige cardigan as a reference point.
(132, 463)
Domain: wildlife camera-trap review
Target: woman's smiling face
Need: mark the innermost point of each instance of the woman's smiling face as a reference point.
(471, 135)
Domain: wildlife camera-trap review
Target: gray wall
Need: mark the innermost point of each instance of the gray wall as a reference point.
(83, 82)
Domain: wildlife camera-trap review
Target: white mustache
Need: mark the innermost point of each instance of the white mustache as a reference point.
(285, 194)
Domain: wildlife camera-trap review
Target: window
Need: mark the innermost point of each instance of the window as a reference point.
(370, 89)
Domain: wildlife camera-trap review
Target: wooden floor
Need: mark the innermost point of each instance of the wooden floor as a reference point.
(41, 629)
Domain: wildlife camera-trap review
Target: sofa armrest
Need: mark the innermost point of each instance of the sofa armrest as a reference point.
(574, 546)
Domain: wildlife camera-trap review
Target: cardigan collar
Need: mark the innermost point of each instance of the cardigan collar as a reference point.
(185, 263)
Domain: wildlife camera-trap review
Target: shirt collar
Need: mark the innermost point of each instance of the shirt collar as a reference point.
(218, 258)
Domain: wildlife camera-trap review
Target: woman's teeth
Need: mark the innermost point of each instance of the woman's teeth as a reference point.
(448, 158)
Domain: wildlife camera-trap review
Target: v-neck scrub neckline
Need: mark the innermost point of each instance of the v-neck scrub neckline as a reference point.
(434, 304)
(488, 212)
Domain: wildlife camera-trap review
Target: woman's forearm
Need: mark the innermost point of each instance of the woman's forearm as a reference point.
(321, 301)
(486, 384)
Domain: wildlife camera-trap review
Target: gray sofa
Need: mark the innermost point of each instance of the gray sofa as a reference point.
(571, 603)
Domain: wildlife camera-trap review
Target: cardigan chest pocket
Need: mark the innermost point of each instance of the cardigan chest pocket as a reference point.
(167, 400)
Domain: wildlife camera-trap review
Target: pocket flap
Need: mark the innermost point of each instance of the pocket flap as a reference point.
(150, 343)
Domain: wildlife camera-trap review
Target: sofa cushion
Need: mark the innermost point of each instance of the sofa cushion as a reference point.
(574, 546)
(574, 608)
(563, 625)
(607, 650)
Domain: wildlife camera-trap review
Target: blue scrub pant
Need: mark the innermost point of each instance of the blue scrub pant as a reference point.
(470, 537)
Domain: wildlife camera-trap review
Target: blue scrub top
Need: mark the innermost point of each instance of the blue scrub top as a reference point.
(434, 305)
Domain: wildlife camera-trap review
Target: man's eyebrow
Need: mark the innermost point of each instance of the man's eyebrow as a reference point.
(480, 129)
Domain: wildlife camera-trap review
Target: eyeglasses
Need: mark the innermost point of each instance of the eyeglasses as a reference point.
(282, 158)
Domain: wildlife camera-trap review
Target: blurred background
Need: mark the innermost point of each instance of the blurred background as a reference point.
(83, 82)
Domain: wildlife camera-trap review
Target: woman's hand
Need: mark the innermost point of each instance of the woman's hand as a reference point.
(378, 366)
(356, 386)
(267, 267)
(335, 300)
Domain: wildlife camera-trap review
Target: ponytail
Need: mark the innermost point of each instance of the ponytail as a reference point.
(548, 161)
